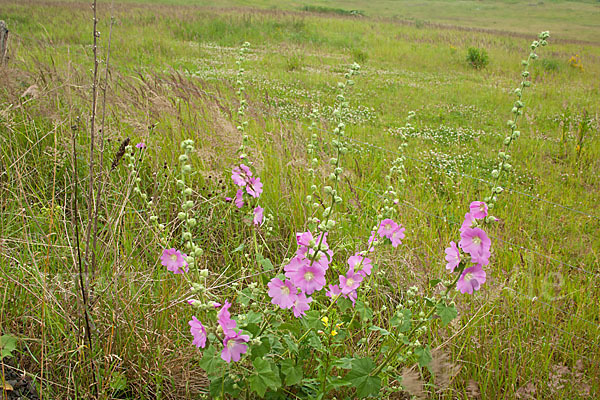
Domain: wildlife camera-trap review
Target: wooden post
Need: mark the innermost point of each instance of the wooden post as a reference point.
(3, 43)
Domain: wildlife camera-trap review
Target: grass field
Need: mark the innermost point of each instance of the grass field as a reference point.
(533, 329)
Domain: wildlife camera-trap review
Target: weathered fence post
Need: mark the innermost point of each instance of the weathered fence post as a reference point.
(3, 42)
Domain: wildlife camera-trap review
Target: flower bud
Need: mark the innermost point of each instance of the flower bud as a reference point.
(186, 168)
(198, 252)
(180, 184)
(153, 218)
(191, 222)
(204, 273)
(181, 215)
(188, 191)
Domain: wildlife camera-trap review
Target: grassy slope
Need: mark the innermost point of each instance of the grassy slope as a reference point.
(296, 60)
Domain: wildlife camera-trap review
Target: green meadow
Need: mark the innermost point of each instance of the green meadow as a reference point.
(167, 72)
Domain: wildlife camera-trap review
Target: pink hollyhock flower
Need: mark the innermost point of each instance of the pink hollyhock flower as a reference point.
(240, 175)
(141, 145)
(386, 228)
(334, 291)
(254, 187)
(224, 319)
(295, 264)
(352, 296)
(372, 240)
(397, 236)
(174, 260)
(471, 279)
(258, 215)
(478, 209)
(360, 264)
(308, 278)
(475, 242)
(239, 198)
(452, 256)
(282, 293)
(303, 239)
(350, 282)
(235, 346)
(469, 222)
(198, 332)
(228, 199)
(301, 305)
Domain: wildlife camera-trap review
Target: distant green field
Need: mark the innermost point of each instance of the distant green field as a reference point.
(533, 329)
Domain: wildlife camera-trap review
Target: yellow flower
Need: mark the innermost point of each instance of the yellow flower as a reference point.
(325, 321)
(333, 333)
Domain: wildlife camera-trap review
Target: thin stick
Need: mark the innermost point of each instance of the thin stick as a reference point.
(90, 195)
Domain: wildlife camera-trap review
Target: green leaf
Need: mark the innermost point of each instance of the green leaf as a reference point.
(446, 313)
(364, 311)
(239, 248)
(312, 319)
(292, 346)
(344, 304)
(434, 282)
(423, 356)
(381, 331)
(212, 362)
(402, 321)
(8, 344)
(344, 362)
(218, 387)
(293, 373)
(262, 349)
(265, 262)
(359, 377)
(266, 376)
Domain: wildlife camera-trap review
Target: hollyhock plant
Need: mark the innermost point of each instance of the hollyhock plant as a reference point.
(334, 291)
(301, 304)
(224, 318)
(471, 279)
(360, 264)
(254, 187)
(478, 209)
(452, 256)
(475, 242)
(308, 278)
(175, 261)
(282, 293)
(469, 222)
(350, 282)
(397, 236)
(372, 240)
(258, 215)
(198, 332)
(241, 175)
(386, 228)
(239, 198)
(235, 346)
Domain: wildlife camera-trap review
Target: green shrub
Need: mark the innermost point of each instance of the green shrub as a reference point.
(477, 58)
(359, 56)
(550, 64)
(293, 63)
(330, 10)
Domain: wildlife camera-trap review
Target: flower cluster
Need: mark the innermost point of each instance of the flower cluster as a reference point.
(251, 185)
(476, 246)
(305, 274)
(234, 343)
